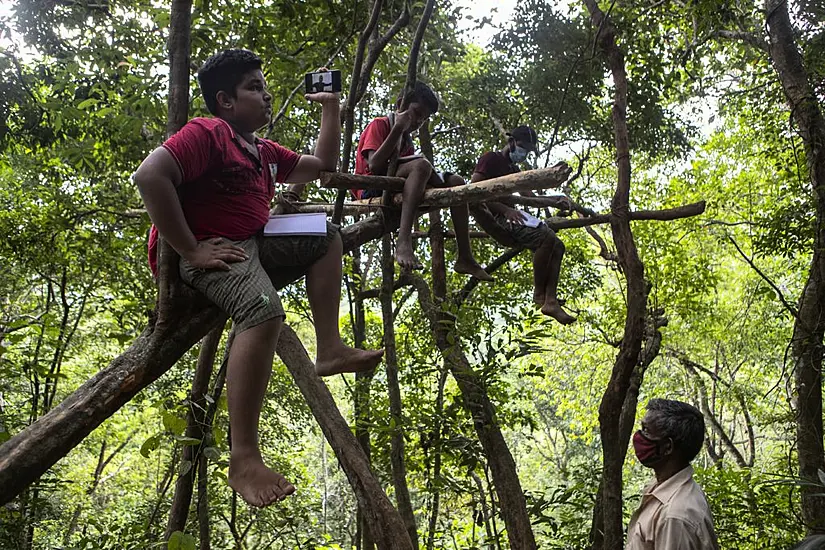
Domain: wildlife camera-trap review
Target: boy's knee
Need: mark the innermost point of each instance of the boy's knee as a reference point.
(421, 167)
(258, 310)
(454, 180)
(559, 246)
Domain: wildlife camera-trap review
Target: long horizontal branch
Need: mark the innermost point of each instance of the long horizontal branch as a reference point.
(342, 180)
(494, 188)
(667, 214)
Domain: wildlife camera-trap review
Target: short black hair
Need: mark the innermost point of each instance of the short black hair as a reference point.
(224, 71)
(423, 94)
(681, 422)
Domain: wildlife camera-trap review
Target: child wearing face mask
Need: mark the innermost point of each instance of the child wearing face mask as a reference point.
(507, 225)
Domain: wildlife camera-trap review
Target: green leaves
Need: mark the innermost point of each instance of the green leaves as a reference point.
(150, 445)
(173, 423)
(181, 541)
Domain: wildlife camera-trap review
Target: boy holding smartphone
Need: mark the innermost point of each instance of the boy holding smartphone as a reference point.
(208, 191)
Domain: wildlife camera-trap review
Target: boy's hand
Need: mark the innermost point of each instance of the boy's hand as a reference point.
(404, 120)
(325, 98)
(564, 203)
(215, 254)
(514, 216)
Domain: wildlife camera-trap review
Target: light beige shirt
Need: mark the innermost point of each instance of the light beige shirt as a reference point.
(673, 515)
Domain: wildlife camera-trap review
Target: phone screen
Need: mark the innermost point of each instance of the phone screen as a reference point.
(324, 81)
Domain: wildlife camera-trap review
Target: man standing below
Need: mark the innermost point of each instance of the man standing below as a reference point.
(674, 513)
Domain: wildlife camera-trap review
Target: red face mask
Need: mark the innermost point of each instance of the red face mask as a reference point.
(647, 450)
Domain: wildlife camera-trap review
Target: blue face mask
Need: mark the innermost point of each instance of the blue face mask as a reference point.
(518, 155)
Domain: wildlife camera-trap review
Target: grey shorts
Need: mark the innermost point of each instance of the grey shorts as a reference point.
(528, 237)
(248, 291)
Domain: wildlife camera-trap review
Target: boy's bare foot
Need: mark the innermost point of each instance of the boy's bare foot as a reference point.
(405, 257)
(553, 309)
(538, 298)
(471, 267)
(346, 359)
(258, 485)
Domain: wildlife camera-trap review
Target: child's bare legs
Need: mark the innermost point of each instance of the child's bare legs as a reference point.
(250, 364)
(324, 291)
(541, 266)
(465, 263)
(416, 173)
(551, 305)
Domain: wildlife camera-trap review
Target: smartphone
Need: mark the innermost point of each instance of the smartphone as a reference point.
(325, 81)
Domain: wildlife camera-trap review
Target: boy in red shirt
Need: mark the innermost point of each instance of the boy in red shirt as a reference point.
(386, 136)
(548, 250)
(208, 191)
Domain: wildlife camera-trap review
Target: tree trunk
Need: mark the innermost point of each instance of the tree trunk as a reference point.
(195, 425)
(361, 396)
(180, 23)
(31, 452)
(809, 326)
(204, 533)
(397, 458)
(615, 404)
(503, 467)
(385, 524)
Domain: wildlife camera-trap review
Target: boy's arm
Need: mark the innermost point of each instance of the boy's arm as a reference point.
(378, 160)
(156, 179)
(327, 148)
(496, 207)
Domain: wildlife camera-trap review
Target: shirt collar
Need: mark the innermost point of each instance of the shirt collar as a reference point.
(235, 136)
(665, 490)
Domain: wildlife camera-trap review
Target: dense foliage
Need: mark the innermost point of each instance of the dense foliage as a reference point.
(83, 100)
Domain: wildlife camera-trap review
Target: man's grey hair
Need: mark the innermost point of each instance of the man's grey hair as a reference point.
(814, 542)
(681, 422)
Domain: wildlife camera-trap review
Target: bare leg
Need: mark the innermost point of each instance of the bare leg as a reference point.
(465, 263)
(551, 305)
(541, 265)
(417, 173)
(250, 364)
(324, 291)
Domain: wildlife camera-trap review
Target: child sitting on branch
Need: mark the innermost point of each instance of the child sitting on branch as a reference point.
(208, 191)
(500, 220)
(388, 136)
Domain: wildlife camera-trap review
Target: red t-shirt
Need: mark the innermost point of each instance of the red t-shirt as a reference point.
(371, 139)
(494, 165)
(225, 191)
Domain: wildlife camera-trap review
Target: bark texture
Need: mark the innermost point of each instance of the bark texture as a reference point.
(385, 524)
(195, 424)
(809, 326)
(618, 398)
(397, 455)
(474, 395)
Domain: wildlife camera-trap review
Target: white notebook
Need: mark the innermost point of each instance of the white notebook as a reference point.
(530, 220)
(296, 224)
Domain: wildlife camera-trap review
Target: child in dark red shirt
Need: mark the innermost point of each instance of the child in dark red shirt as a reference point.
(208, 191)
(496, 217)
(386, 136)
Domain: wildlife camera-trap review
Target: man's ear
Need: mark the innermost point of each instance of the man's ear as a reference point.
(667, 447)
(223, 100)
